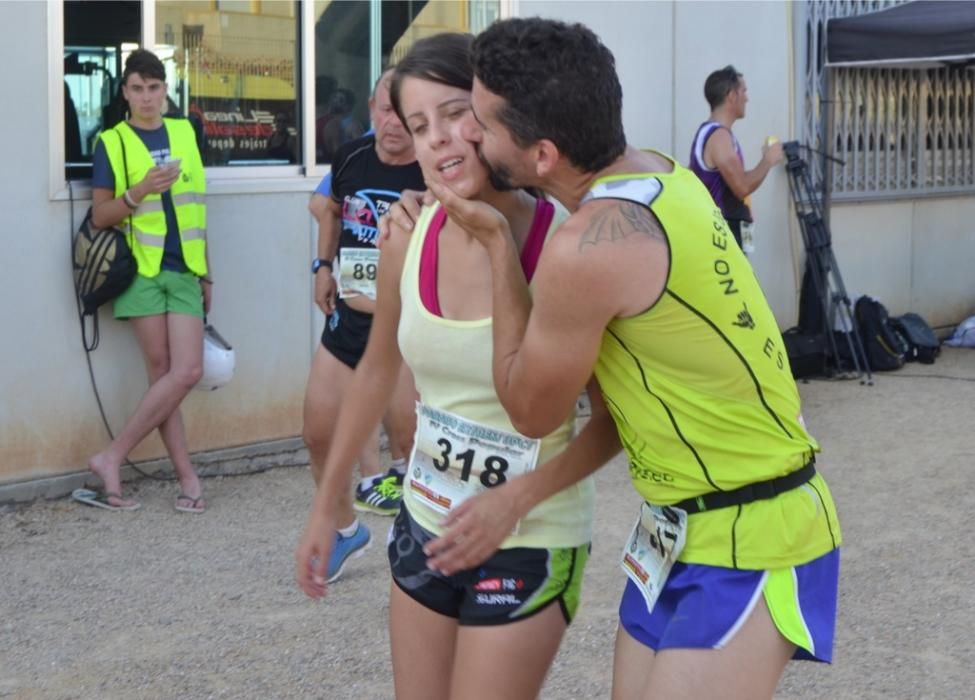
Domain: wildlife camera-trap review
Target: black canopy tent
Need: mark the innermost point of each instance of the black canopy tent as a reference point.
(920, 32)
(914, 35)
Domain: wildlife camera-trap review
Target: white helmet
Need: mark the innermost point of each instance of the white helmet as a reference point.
(218, 360)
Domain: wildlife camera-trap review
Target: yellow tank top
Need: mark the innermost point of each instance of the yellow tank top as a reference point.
(451, 364)
(702, 393)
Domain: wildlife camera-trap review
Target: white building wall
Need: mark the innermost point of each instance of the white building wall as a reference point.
(754, 37)
(664, 51)
(943, 256)
(915, 255)
(260, 247)
(640, 35)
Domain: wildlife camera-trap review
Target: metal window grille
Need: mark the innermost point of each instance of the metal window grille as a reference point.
(901, 132)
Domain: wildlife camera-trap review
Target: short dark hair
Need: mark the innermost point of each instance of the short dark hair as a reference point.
(441, 58)
(559, 83)
(719, 84)
(146, 64)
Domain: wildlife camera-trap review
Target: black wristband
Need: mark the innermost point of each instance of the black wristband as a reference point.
(318, 263)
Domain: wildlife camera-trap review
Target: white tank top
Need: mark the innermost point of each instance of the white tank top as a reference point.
(451, 364)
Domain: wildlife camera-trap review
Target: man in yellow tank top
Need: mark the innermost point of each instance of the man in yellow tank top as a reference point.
(733, 562)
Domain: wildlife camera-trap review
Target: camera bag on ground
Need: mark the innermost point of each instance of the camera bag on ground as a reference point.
(806, 351)
(883, 345)
(104, 266)
(922, 344)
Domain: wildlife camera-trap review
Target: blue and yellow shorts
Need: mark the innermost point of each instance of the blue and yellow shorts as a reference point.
(702, 607)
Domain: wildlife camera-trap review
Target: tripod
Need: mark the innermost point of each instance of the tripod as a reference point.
(824, 270)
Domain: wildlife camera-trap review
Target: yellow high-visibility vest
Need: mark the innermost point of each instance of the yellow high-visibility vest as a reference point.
(147, 233)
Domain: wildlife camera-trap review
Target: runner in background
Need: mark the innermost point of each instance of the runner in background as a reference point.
(717, 159)
(367, 175)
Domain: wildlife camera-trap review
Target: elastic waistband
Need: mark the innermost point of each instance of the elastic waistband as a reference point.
(758, 491)
(343, 307)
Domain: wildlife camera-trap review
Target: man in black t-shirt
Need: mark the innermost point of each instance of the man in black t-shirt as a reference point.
(367, 176)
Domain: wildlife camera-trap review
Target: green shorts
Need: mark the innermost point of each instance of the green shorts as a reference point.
(167, 293)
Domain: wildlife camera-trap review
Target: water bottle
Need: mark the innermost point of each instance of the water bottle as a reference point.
(747, 237)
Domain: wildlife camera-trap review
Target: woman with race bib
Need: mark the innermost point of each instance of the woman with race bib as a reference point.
(492, 630)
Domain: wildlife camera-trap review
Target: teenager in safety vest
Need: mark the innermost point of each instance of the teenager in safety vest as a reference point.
(148, 180)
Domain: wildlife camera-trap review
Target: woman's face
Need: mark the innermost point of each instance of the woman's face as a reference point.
(436, 115)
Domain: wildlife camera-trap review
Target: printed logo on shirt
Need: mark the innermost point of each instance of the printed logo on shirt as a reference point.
(159, 155)
(361, 212)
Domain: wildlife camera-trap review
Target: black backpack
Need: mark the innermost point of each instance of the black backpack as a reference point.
(922, 344)
(883, 345)
(104, 266)
(806, 352)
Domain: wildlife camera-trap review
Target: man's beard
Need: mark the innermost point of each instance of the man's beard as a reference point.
(498, 176)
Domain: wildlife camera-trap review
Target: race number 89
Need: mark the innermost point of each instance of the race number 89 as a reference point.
(494, 466)
(364, 271)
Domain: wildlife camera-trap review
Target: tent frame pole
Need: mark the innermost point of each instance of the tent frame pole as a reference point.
(827, 118)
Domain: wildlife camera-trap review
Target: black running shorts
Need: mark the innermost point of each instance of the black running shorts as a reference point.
(511, 585)
(346, 333)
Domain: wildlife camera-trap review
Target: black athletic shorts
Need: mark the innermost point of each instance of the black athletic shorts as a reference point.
(511, 585)
(346, 333)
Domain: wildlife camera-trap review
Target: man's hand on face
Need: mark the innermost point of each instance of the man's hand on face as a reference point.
(402, 215)
(482, 221)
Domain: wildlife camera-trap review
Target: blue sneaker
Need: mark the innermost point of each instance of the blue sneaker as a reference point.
(347, 548)
(383, 497)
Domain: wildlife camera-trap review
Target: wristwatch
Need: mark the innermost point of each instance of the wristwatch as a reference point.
(320, 262)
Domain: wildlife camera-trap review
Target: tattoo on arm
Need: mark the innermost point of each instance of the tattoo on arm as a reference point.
(615, 223)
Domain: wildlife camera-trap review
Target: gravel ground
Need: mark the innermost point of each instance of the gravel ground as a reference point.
(156, 604)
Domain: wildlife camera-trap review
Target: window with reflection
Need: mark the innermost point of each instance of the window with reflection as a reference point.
(345, 57)
(232, 70)
(98, 37)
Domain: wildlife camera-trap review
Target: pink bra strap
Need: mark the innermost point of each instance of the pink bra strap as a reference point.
(544, 212)
(429, 255)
